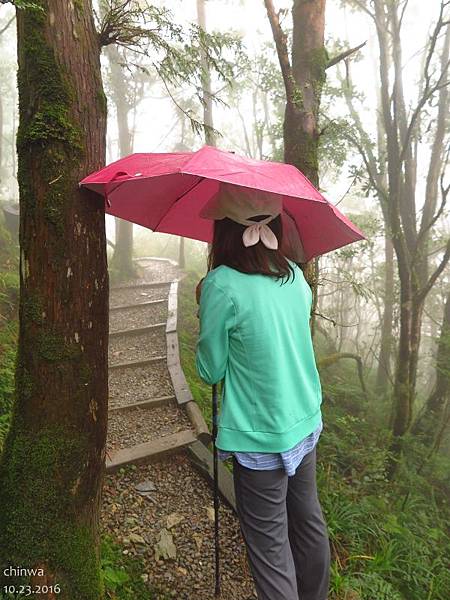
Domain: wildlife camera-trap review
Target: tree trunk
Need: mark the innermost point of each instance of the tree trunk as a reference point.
(206, 82)
(210, 138)
(181, 253)
(122, 267)
(303, 80)
(309, 60)
(386, 342)
(431, 417)
(53, 462)
(1, 140)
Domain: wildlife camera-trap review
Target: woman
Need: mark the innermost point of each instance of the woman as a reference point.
(254, 333)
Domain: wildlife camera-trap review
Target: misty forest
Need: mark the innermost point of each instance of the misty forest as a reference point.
(106, 485)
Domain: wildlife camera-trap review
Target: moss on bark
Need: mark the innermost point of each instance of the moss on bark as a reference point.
(39, 522)
(50, 129)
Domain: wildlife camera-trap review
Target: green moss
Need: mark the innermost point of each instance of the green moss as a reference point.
(318, 60)
(32, 308)
(50, 127)
(52, 123)
(102, 100)
(24, 384)
(85, 373)
(297, 96)
(52, 347)
(38, 471)
(79, 6)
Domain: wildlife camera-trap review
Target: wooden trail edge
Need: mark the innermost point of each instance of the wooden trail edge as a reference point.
(198, 452)
(181, 388)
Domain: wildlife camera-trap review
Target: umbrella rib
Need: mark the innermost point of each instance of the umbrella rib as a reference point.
(179, 198)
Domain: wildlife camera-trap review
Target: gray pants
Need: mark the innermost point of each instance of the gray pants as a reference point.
(284, 531)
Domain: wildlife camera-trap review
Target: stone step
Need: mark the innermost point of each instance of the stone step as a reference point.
(148, 284)
(137, 330)
(144, 304)
(149, 451)
(150, 403)
(138, 363)
(137, 383)
(137, 316)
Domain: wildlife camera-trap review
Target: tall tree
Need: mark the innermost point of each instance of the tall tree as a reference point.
(53, 460)
(433, 415)
(304, 73)
(121, 266)
(398, 194)
(207, 98)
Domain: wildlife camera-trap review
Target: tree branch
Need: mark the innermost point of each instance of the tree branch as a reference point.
(343, 55)
(402, 14)
(429, 89)
(433, 277)
(444, 195)
(333, 358)
(280, 39)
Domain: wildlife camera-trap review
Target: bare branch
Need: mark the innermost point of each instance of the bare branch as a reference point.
(348, 189)
(344, 55)
(434, 276)
(444, 195)
(280, 39)
(429, 89)
(402, 14)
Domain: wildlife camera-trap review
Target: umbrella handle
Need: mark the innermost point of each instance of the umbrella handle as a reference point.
(216, 490)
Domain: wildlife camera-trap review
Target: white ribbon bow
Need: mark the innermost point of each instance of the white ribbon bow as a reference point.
(254, 233)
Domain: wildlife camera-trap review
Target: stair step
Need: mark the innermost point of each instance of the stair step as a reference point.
(154, 284)
(137, 363)
(148, 451)
(137, 330)
(150, 403)
(138, 304)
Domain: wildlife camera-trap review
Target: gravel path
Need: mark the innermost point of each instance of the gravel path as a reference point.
(152, 271)
(179, 491)
(158, 270)
(139, 316)
(140, 425)
(137, 346)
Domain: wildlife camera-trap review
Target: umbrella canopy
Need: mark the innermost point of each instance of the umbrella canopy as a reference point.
(165, 192)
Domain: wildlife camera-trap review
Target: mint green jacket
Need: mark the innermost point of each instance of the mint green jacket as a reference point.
(254, 334)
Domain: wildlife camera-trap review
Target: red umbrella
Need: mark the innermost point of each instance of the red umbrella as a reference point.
(165, 193)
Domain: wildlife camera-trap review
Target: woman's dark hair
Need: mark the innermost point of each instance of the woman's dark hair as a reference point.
(228, 249)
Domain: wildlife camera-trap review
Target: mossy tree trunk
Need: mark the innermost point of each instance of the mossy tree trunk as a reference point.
(386, 339)
(432, 416)
(303, 71)
(53, 461)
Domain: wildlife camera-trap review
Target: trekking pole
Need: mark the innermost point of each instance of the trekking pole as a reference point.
(216, 489)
